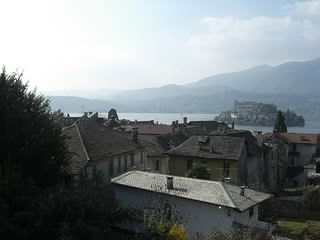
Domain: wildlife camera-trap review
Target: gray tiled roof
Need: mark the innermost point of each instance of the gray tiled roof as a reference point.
(77, 152)
(158, 145)
(211, 192)
(101, 141)
(217, 147)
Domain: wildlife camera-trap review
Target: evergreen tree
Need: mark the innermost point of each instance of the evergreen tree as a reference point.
(32, 146)
(280, 123)
(112, 114)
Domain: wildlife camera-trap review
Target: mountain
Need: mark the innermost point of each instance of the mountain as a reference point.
(78, 104)
(293, 85)
(291, 77)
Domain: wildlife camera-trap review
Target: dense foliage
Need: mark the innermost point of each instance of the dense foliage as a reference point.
(32, 146)
(199, 171)
(34, 202)
(292, 119)
(311, 198)
(82, 212)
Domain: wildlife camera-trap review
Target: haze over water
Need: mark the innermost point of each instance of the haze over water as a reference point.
(167, 118)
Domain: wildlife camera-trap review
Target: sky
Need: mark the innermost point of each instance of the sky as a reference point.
(85, 45)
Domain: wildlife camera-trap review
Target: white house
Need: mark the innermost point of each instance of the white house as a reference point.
(200, 205)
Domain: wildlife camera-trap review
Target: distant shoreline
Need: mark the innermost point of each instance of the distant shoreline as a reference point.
(167, 118)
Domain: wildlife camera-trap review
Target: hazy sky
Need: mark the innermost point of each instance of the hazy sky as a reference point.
(125, 44)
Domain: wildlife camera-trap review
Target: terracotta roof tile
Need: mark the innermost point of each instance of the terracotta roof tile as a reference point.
(298, 138)
(153, 129)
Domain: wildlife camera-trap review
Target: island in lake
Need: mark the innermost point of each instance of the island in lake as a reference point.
(258, 114)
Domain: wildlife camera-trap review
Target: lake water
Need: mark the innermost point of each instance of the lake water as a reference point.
(167, 118)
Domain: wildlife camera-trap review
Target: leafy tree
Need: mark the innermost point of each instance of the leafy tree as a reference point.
(242, 233)
(32, 146)
(311, 198)
(199, 171)
(33, 156)
(83, 212)
(280, 123)
(177, 232)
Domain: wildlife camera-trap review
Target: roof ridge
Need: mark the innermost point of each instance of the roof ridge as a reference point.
(179, 146)
(70, 126)
(229, 195)
(123, 175)
(171, 175)
(81, 141)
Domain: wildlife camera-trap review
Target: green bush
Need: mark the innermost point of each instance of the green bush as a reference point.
(313, 230)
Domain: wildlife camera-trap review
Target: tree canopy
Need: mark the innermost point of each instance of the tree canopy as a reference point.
(32, 146)
(280, 123)
(112, 114)
(199, 171)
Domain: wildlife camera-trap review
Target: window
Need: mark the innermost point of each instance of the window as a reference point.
(294, 147)
(189, 164)
(131, 159)
(125, 162)
(251, 211)
(167, 211)
(204, 162)
(141, 157)
(229, 212)
(292, 161)
(119, 164)
(157, 165)
(111, 167)
(226, 168)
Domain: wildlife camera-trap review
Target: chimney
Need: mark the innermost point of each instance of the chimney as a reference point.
(135, 135)
(242, 188)
(227, 179)
(171, 144)
(169, 182)
(173, 126)
(185, 120)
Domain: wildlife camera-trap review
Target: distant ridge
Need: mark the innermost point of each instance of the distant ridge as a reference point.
(293, 85)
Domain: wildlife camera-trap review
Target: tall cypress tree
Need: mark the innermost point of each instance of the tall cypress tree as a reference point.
(280, 123)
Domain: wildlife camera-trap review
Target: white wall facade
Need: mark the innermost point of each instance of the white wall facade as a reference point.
(158, 164)
(197, 217)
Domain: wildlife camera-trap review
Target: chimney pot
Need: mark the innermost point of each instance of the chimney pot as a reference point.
(169, 182)
(227, 179)
(185, 120)
(242, 190)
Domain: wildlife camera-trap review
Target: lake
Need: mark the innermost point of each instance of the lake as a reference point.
(167, 118)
